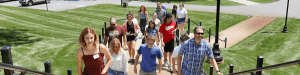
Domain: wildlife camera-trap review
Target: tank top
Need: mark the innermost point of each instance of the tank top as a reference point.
(93, 66)
(130, 29)
(142, 16)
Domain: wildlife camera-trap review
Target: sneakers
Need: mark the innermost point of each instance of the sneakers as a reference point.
(131, 61)
(165, 62)
(170, 68)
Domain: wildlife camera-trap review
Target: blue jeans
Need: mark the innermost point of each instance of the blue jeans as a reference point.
(113, 72)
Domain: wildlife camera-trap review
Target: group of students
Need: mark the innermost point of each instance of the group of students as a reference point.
(100, 59)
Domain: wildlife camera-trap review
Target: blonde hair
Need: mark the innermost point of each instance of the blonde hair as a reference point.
(112, 43)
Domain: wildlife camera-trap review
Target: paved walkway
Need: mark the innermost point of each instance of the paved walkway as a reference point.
(246, 2)
(275, 9)
(241, 31)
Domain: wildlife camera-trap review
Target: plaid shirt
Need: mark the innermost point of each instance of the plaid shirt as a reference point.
(194, 56)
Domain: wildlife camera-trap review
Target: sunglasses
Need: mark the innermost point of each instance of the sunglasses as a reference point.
(116, 47)
(150, 43)
(112, 24)
(200, 33)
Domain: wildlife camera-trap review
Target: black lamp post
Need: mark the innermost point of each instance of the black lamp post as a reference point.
(216, 50)
(286, 16)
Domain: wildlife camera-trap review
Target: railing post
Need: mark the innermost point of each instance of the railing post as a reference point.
(189, 23)
(230, 68)
(177, 34)
(69, 71)
(103, 33)
(211, 70)
(23, 73)
(100, 38)
(200, 24)
(121, 2)
(225, 42)
(104, 30)
(209, 35)
(259, 64)
(252, 73)
(104, 25)
(6, 58)
(47, 65)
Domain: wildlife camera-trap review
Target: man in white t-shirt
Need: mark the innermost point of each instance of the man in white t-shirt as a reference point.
(183, 38)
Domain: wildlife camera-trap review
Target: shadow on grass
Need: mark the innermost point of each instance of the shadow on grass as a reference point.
(270, 32)
(15, 37)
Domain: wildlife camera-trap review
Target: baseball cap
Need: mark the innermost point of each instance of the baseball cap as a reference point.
(169, 15)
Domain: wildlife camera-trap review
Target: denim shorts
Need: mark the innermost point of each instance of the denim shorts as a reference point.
(113, 72)
(181, 20)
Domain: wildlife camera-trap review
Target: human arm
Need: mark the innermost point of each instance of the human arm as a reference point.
(162, 43)
(186, 16)
(124, 39)
(182, 51)
(160, 66)
(146, 13)
(213, 62)
(145, 33)
(157, 34)
(159, 56)
(179, 65)
(125, 62)
(106, 37)
(174, 56)
(105, 41)
(176, 16)
(137, 18)
(79, 61)
(173, 65)
(105, 51)
(135, 62)
(139, 52)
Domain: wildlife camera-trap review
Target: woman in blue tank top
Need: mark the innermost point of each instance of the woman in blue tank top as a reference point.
(143, 16)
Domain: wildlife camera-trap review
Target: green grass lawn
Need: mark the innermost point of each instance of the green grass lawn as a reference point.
(200, 2)
(37, 35)
(269, 42)
(263, 1)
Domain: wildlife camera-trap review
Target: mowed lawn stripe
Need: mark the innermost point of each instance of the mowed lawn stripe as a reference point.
(42, 29)
(83, 21)
(60, 24)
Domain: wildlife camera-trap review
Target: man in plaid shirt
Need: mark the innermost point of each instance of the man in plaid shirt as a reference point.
(194, 51)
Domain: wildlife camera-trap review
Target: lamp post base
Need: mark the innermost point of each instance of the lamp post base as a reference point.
(284, 31)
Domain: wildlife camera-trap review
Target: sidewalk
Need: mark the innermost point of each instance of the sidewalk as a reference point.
(275, 9)
(241, 31)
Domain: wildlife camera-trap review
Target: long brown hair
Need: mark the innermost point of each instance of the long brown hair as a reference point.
(112, 43)
(151, 22)
(144, 9)
(84, 32)
(165, 20)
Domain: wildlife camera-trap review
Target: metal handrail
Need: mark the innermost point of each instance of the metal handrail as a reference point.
(21, 69)
(208, 31)
(268, 67)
